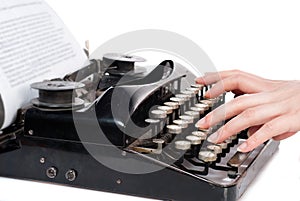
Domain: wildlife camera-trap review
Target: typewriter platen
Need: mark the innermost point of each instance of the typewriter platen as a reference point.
(46, 143)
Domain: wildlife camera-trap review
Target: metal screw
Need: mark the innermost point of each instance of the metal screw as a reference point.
(42, 160)
(30, 132)
(71, 175)
(51, 172)
(119, 181)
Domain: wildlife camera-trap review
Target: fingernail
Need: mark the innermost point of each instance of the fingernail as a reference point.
(248, 133)
(242, 147)
(213, 138)
(207, 95)
(198, 80)
(200, 123)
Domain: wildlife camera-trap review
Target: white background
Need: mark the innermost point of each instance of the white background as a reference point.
(262, 37)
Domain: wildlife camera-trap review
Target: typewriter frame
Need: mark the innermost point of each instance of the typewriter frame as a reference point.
(37, 155)
(25, 155)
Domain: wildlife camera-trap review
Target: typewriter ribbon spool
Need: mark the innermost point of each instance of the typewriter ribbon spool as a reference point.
(57, 95)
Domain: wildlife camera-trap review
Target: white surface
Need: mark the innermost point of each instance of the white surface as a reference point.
(262, 37)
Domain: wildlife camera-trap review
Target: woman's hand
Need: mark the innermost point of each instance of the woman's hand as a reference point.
(270, 109)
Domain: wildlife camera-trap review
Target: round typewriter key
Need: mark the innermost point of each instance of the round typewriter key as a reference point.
(194, 114)
(200, 134)
(152, 121)
(183, 96)
(154, 125)
(187, 118)
(167, 109)
(207, 131)
(233, 137)
(158, 114)
(207, 102)
(194, 139)
(228, 141)
(207, 156)
(183, 145)
(173, 105)
(195, 145)
(191, 98)
(169, 112)
(190, 94)
(180, 101)
(181, 123)
(201, 105)
(174, 129)
(223, 145)
(198, 109)
(215, 148)
(194, 90)
(198, 86)
(187, 102)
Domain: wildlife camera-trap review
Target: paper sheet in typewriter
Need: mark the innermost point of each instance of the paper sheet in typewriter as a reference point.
(34, 45)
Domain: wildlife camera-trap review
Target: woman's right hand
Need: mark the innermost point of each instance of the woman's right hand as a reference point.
(270, 109)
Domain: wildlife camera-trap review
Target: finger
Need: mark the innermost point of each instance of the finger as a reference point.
(250, 117)
(213, 77)
(242, 83)
(209, 78)
(275, 127)
(283, 136)
(252, 130)
(233, 108)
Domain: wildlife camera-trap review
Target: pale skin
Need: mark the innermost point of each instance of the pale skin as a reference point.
(269, 108)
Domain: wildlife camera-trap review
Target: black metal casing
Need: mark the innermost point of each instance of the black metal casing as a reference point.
(50, 139)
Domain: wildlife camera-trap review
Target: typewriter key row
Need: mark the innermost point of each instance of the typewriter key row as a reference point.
(174, 120)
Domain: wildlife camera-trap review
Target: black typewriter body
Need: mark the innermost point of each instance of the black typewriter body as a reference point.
(45, 145)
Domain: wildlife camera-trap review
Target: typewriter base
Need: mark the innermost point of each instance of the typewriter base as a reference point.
(166, 184)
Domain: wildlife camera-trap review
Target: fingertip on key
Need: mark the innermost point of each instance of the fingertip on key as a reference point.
(213, 138)
(201, 123)
(207, 94)
(243, 147)
(199, 80)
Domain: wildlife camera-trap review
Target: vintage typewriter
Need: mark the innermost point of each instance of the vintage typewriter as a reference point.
(146, 116)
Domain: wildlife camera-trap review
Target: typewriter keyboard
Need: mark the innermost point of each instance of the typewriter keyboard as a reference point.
(175, 139)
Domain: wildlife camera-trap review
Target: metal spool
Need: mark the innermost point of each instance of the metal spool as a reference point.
(120, 63)
(57, 95)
